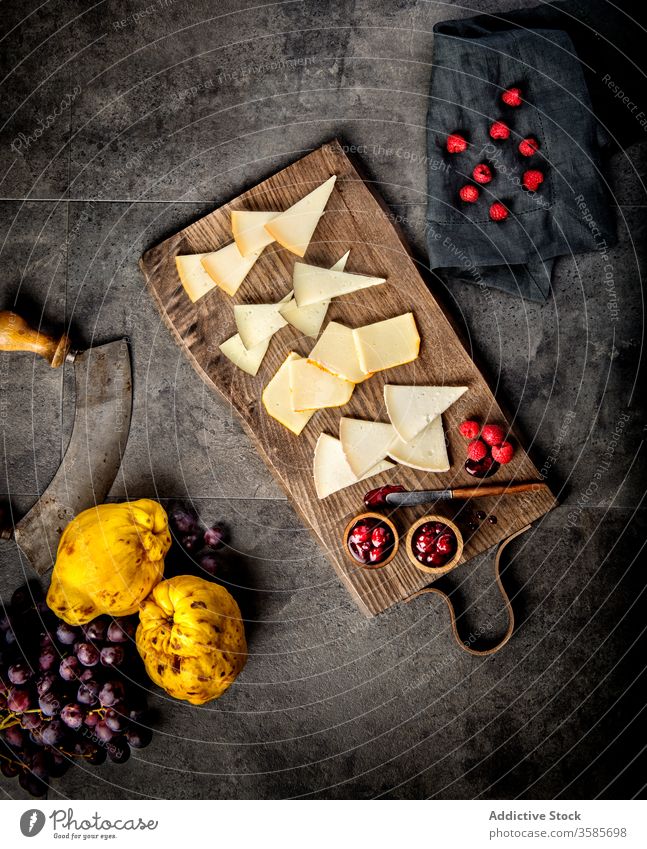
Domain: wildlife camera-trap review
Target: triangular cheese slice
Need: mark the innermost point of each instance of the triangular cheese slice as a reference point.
(387, 344)
(248, 228)
(247, 360)
(365, 443)
(427, 451)
(335, 352)
(228, 267)
(257, 322)
(313, 284)
(294, 228)
(313, 388)
(277, 401)
(331, 469)
(412, 408)
(193, 277)
(308, 320)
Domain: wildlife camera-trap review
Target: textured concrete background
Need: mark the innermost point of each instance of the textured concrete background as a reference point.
(165, 110)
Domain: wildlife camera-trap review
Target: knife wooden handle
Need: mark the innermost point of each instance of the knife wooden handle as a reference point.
(17, 335)
(496, 489)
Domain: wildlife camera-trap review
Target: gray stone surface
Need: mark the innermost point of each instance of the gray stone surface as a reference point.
(178, 110)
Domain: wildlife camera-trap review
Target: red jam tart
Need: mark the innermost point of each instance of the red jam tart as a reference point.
(371, 540)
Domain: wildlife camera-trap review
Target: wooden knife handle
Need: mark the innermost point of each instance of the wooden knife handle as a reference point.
(17, 335)
(496, 489)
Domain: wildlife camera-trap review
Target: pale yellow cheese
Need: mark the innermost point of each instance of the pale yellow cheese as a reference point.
(427, 451)
(313, 284)
(248, 228)
(228, 267)
(294, 228)
(312, 388)
(247, 360)
(412, 408)
(365, 443)
(257, 322)
(388, 343)
(309, 319)
(193, 277)
(335, 352)
(331, 469)
(277, 402)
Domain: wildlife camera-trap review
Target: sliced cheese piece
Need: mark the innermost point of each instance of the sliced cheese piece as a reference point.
(412, 408)
(248, 360)
(257, 322)
(294, 228)
(331, 469)
(313, 388)
(335, 352)
(193, 277)
(365, 443)
(248, 228)
(277, 401)
(387, 344)
(427, 451)
(228, 267)
(313, 284)
(309, 319)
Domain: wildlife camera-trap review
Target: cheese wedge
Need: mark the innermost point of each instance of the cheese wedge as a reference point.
(331, 469)
(248, 228)
(228, 267)
(193, 277)
(412, 408)
(313, 388)
(247, 360)
(387, 344)
(277, 402)
(313, 284)
(427, 451)
(294, 228)
(308, 320)
(335, 352)
(366, 443)
(257, 322)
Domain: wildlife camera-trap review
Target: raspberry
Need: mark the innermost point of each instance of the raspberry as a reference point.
(470, 194)
(456, 143)
(493, 434)
(532, 180)
(470, 429)
(476, 450)
(482, 173)
(502, 453)
(499, 130)
(528, 147)
(512, 97)
(498, 212)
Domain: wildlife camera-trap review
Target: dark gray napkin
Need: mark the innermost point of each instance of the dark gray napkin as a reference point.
(475, 60)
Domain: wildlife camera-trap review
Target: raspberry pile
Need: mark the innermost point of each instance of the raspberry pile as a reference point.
(488, 447)
(482, 173)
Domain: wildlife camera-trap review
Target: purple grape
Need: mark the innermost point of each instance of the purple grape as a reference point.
(121, 630)
(47, 659)
(87, 654)
(111, 693)
(91, 719)
(70, 668)
(138, 714)
(58, 763)
(114, 720)
(5, 622)
(34, 786)
(30, 721)
(88, 692)
(10, 769)
(21, 600)
(191, 541)
(49, 704)
(19, 700)
(19, 673)
(96, 755)
(112, 655)
(214, 536)
(139, 738)
(53, 733)
(183, 520)
(103, 731)
(45, 682)
(72, 715)
(45, 640)
(118, 750)
(209, 562)
(15, 736)
(87, 675)
(96, 630)
(39, 766)
(67, 634)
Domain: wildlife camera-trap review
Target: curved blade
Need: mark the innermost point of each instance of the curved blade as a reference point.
(91, 462)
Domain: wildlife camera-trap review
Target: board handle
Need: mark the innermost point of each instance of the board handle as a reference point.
(17, 335)
(496, 489)
(508, 605)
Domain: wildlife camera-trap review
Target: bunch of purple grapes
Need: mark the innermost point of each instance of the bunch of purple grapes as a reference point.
(67, 694)
(203, 544)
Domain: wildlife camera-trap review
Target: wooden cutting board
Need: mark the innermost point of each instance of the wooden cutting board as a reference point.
(355, 218)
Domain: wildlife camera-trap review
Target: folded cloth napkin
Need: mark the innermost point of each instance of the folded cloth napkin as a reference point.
(475, 61)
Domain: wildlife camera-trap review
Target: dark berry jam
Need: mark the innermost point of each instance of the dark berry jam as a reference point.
(434, 544)
(370, 541)
(484, 468)
(377, 497)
